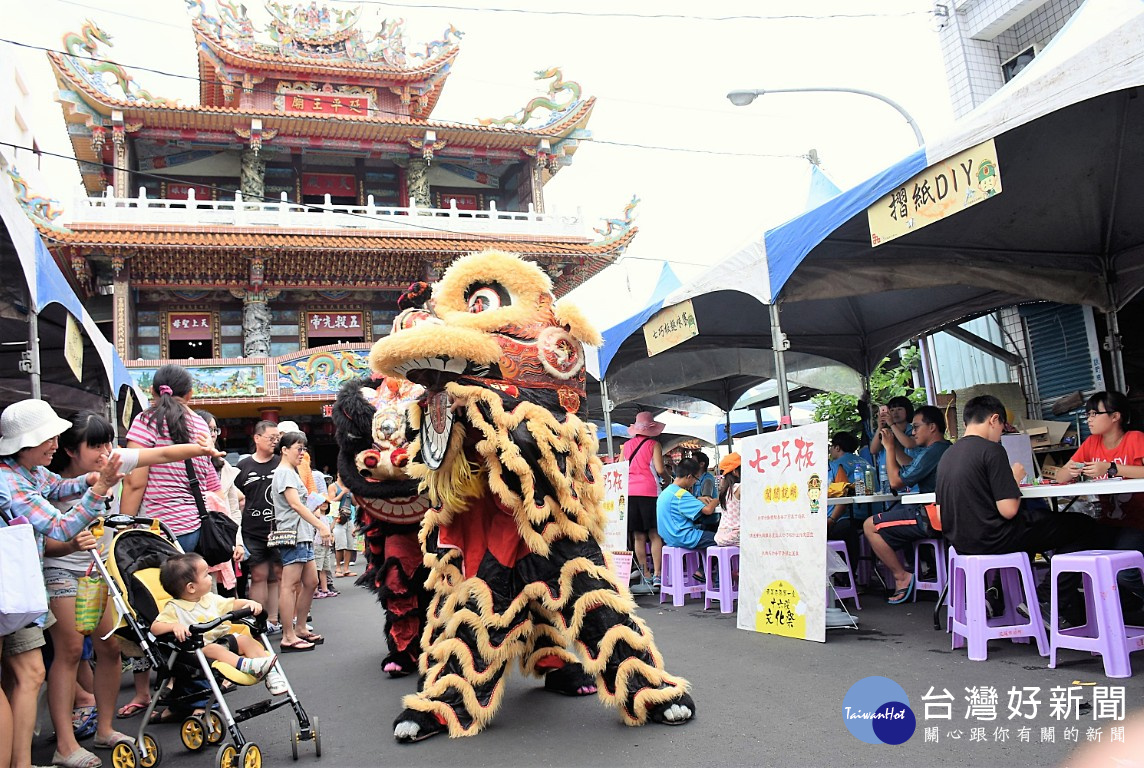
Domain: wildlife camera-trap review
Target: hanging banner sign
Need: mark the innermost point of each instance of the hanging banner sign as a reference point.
(480, 177)
(669, 327)
(188, 326)
(128, 405)
(333, 184)
(782, 577)
(73, 348)
(180, 191)
(939, 191)
(333, 324)
(325, 103)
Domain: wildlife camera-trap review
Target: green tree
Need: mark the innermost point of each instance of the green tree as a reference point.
(888, 380)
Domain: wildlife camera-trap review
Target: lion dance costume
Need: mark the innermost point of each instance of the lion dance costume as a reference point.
(512, 537)
(369, 416)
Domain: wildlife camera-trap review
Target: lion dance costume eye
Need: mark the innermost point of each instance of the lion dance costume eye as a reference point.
(512, 536)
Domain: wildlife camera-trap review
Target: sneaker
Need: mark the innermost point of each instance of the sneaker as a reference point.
(1047, 615)
(258, 668)
(275, 683)
(273, 628)
(321, 593)
(656, 584)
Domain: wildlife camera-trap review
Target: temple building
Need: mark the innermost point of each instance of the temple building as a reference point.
(261, 237)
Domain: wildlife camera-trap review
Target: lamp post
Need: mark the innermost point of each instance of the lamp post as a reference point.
(745, 97)
(742, 98)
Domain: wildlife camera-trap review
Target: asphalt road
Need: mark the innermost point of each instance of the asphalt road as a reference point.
(761, 700)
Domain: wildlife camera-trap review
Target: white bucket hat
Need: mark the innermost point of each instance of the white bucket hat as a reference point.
(28, 423)
(288, 426)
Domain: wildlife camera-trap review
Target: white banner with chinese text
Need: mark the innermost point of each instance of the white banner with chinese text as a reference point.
(782, 581)
(616, 518)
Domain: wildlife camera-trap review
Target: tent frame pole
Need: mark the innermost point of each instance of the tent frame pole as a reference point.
(780, 343)
(607, 407)
(34, 350)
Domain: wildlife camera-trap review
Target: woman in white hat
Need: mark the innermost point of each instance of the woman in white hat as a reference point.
(29, 436)
(645, 467)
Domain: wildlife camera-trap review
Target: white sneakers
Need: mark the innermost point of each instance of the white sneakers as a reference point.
(275, 683)
(258, 668)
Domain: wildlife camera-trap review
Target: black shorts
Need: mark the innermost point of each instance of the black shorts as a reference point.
(259, 552)
(903, 524)
(641, 514)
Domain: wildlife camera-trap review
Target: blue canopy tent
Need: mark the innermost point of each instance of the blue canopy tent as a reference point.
(34, 315)
(1065, 228)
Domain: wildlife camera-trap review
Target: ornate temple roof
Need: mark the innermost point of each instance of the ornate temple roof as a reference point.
(204, 257)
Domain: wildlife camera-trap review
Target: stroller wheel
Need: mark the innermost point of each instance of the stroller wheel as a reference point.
(215, 730)
(294, 741)
(124, 755)
(250, 756)
(227, 756)
(151, 753)
(193, 733)
(317, 737)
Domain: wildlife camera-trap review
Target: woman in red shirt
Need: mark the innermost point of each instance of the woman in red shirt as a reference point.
(1114, 449)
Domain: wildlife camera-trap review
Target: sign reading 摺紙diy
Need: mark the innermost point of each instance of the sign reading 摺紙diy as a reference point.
(941, 190)
(670, 326)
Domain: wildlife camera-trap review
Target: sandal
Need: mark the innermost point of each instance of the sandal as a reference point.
(312, 637)
(115, 738)
(163, 716)
(131, 709)
(903, 593)
(85, 720)
(296, 647)
(81, 758)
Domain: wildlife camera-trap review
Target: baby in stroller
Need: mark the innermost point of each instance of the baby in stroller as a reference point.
(187, 578)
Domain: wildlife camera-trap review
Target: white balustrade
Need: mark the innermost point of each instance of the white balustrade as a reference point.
(108, 209)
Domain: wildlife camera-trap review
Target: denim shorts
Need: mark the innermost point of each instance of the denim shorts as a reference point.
(60, 582)
(303, 552)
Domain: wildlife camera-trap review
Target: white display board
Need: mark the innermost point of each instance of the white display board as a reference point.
(616, 518)
(782, 577)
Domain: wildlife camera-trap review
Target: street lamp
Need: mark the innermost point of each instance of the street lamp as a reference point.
(743, 98)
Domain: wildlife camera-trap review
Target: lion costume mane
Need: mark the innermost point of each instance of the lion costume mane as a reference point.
(512, 538)
(369, 417)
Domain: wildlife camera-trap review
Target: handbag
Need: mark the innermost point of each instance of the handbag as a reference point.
(23, 599)
(282, 539)
(90, 600)
(217, 532)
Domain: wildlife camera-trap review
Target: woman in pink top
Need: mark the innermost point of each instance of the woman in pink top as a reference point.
(643, 452)
(164, 489)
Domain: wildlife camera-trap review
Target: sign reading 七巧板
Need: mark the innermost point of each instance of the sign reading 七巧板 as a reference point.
(941, 190)
(670, 326)
(73, 347)
(615, 477)
(782, 537)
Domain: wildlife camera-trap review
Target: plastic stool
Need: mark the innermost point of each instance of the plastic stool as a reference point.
(940, 574)
(728, 590)
(970, 623)
(677, 579)
(1104, 632)
(851, 590)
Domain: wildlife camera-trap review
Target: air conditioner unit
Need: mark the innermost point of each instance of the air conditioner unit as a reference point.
(1010, 67)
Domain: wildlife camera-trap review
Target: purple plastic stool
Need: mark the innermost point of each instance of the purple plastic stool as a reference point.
(940, 574)
(728, 590)
(1104, 632)
(677, 579)
(971, 625)
(851, 590)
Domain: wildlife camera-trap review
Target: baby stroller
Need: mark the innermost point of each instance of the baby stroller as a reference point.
(131, 569)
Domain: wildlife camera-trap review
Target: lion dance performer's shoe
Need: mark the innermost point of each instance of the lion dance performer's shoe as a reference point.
(512, 537)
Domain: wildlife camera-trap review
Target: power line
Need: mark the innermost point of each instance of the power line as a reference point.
(384, 112)
(583, 14)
